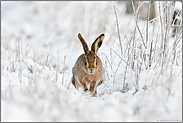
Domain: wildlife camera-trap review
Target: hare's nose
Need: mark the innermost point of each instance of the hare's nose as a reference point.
(91, 70)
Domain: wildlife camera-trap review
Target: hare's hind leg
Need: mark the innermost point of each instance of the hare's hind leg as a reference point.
(94, 94)
(73, 81)
(100, 82)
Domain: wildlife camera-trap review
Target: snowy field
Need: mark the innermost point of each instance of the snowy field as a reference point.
(39, 47)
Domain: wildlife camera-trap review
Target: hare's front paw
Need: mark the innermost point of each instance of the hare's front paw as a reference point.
(87, 93)
(94, 94)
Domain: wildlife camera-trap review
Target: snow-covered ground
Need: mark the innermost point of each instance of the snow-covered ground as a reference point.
(36, 39)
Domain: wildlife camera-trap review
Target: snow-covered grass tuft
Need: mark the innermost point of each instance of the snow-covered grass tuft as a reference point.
(39, 47)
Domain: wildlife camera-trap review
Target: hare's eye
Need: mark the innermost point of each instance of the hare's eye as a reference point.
(85, 63)
(85, 60)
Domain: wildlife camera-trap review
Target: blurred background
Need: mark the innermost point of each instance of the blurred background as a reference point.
(141, 54)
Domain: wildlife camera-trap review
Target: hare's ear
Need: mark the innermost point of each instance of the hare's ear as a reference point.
(85, 46)
(97, 43)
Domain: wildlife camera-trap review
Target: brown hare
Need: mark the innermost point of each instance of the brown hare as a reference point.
(88, 68)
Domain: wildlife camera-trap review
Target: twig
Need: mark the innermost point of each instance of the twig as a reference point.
(58, 68)
(137, 25)
(47, 60)
(150, 55)
(126, 67)
(121, 58)
(63, 71)
(107, 60)
(118, 30)
(147, 24)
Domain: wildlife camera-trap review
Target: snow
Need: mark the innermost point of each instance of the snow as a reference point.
(35, 38)
(178, 5)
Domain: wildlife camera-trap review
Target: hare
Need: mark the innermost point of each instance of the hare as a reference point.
(88, 68)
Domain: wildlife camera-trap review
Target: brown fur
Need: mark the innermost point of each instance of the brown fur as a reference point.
(88, 68)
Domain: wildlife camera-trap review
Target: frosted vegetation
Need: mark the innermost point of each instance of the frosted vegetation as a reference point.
(39, 47)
